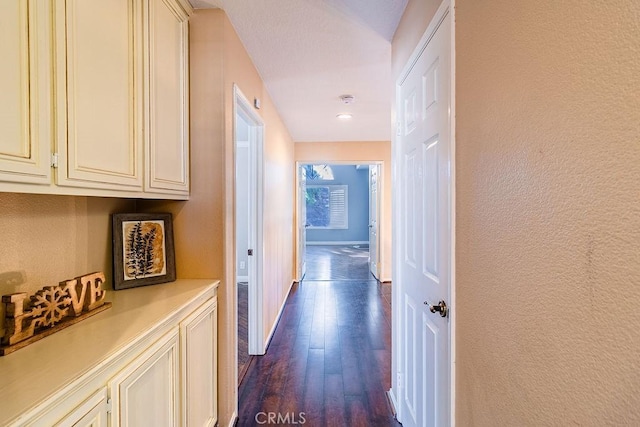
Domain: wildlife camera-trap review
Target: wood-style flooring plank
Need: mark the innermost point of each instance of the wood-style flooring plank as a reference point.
(351, 359)
(313, 396)
(357, 414)
(293, 387)
(335, 414)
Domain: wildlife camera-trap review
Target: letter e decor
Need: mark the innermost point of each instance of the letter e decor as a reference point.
(50, 310)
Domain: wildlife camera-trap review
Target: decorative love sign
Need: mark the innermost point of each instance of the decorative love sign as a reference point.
(51, 309)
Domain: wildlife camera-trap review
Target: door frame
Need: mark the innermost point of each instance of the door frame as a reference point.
(446, 7)
(378, 202)
(300, 258)
(381, 189)
(255, 264)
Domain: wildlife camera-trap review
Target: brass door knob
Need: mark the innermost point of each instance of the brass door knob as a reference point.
(440, 308)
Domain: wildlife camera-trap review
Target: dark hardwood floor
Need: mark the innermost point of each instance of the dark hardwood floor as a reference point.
(338, 263)
(243, 331)
(329, 362)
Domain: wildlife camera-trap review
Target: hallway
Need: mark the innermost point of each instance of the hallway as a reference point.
(333, 262)
(329, 362)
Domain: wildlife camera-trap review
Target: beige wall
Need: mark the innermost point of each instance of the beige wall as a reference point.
(204, 226)
(359, 152)
(548, 212)
(415, 19)
(278, 170)
(47, 239)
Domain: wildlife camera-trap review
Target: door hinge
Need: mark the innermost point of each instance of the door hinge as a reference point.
(398, 129)
(399, 379)
(250, 252)
(109, 401)
(54, 160)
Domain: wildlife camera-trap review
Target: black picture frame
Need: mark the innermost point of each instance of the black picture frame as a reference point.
(143, 251)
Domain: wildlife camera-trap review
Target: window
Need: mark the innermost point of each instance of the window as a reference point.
(327, 206)
(318, 172)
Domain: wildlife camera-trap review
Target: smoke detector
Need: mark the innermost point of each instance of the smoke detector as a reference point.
(347, 99)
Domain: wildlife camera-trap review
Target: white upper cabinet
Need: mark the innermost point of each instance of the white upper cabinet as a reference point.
(25, 92)
(119, 123)
(99, 87)
(168, 97)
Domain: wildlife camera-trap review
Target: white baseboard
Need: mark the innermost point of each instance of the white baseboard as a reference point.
(337, 243)
(242, 278)
(392, 400)
(275, 323)
(234, 417)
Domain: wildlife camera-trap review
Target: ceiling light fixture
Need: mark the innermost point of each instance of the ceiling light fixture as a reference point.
(344, 116)
(347, 99)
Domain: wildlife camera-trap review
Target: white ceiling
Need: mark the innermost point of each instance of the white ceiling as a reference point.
(309, 52)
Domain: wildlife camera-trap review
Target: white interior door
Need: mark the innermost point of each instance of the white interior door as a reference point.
(254, 171)
(302, 222)
(374, 209)
(423, 163)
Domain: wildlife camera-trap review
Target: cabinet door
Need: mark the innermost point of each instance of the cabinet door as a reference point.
(92, 412)
(199, 362)
(167, 98)
(99, 93)
(147, 392)
(25, 92)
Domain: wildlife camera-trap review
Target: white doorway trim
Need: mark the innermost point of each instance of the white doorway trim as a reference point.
(452, 174)
(243, 108)
(375, 266)
(299, 163)
(446, 7)
(301, 225)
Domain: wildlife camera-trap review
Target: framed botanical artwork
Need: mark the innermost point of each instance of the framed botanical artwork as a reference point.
(143, 252)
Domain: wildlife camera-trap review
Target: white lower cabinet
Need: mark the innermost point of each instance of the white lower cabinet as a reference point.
(146, 393)
(91, 413)
(199, 365)
(150, 360)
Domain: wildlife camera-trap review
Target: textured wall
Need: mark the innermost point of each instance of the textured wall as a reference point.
(349, 152)
(415, 19)
(47, 239)
(204, 226)
(198, 223)
(548, 212)
(278, 169)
